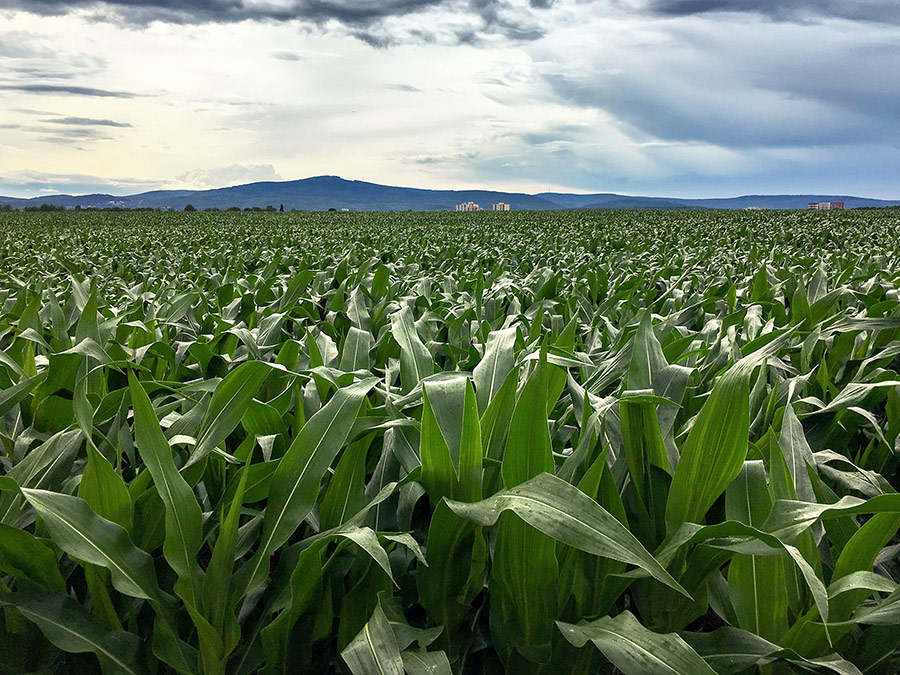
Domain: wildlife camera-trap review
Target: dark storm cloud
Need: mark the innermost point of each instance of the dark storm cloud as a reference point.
(359, 13)
(496, 19)
(878, 11)
(365, 18)
(87, 122)
(727, 83)
(66, 89)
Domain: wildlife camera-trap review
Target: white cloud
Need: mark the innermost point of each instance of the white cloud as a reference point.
(224, 176)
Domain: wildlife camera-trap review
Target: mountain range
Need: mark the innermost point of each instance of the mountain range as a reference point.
(321, 193)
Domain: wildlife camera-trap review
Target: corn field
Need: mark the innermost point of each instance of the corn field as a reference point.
(571, 442)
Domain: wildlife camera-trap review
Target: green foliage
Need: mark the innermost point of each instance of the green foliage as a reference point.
(523, 443)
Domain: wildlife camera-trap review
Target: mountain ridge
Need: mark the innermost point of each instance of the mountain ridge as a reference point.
(320, 193)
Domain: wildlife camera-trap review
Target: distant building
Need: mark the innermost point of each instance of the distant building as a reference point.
(826, 206)
(500, 206)
(753, 208)
(468, 206)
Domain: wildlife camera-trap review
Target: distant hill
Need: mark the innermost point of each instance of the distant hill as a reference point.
(326, 192)
(614, 201)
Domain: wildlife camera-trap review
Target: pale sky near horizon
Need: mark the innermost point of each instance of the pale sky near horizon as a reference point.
(690, 98)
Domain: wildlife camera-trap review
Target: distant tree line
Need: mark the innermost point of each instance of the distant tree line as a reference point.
(6, 208)
(45, 207)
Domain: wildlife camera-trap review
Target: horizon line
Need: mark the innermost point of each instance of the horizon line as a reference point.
(483, 189)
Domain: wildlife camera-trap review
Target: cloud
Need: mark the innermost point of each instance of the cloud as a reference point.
(350, 12)
(741, 84)
(86, 121)
(73, 135)
(71, 132)
(66, 89)
(43, 74)
(289, 56)
(404, 87)
(878, 11)
(27, 183)
(235, 174)
(367, 20)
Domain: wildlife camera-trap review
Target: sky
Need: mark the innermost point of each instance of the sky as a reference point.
(682, 98)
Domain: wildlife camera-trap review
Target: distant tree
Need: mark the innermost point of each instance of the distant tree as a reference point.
(6, 207)
(282, 208)
(45, 207)
(270, 208)
(332, 209)
(233, 208)
(78, 207)
(190, 207)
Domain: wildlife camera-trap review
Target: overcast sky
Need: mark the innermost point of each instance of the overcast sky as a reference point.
(689, 98)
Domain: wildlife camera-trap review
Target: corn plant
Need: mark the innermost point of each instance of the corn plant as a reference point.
(636, 442)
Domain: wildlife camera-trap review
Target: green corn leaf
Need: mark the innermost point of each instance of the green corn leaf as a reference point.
(355, 352)
(730, 651)
(295, 483)
(563, 512)
(45, 467)
(81, 533)
(449, 551)
(416, 362)
(524, 568)
(221, 564)
(528, 448)
(813, 639)
(104, 490)
(788, 518)
(714, 451)
(24, 556)
(744, 539)
(228, 405)
(648, 465)
(635, 650)
(420, 662)
(885, 613)
(374, 651)
(346, 493)
(17, 393)
(797, 454)
(716, 446)
(498, 360)
(183, 518)
(450, 446)
(756, 584)
(306, 583)
(69, 627)
(647, 358)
